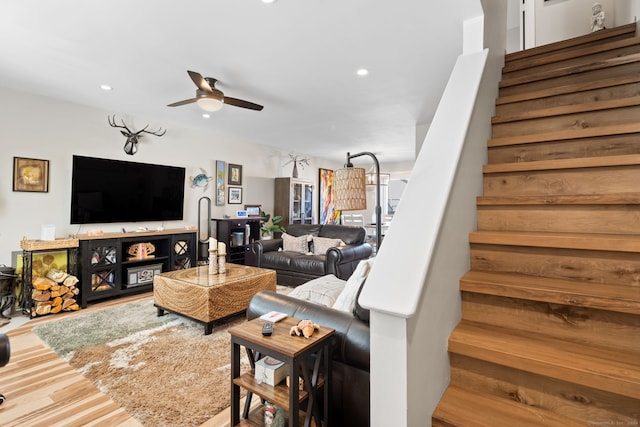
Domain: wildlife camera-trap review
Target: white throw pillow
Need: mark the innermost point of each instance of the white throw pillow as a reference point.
(323, 290)
(322, 244)
(347, 298)
(295, 244)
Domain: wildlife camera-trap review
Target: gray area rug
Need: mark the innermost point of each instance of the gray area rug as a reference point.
(163, 370)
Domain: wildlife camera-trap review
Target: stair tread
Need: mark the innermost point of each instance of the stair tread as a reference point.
(461, 407)
(584, 241)
(565, 135)
(589, 199)
(611, 297)
(575, 163)
(568, 70)
(567, 109)
(569, 88)
(611, 370)
(572, 42)
(567, 55)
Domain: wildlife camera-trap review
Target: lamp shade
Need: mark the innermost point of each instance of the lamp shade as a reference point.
(209, 103)
(349, 188)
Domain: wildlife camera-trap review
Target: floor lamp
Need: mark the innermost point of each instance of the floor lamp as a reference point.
(349, 185)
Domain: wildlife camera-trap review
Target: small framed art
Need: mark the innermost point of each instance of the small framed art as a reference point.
(235, 195)
(235, 174)
(253, 210)
(30, 175)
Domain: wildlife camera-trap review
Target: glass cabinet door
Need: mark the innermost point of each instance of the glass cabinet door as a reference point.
(297, 203)
(308, 204)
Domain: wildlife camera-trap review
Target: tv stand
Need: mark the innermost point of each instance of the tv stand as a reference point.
(115, 264)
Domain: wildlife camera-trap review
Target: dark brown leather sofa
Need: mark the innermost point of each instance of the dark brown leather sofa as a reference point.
(294, 268)
(350, 388)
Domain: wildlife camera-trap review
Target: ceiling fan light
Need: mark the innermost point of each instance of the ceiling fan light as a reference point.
(210, 104)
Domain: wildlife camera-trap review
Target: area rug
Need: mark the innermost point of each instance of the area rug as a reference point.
(163, 370)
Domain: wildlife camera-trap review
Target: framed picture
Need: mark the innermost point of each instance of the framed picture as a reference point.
(253, 210)
(235, 195)
(219, 183)
(327, 214)
(235, 175)
(30, 175)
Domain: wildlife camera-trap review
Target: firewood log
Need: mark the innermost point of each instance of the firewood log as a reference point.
(37, 295)
(42, 283)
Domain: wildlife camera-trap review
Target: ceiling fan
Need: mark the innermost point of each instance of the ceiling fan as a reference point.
(211, 99)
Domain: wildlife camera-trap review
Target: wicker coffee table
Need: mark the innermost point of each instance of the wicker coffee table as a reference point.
(195, 293)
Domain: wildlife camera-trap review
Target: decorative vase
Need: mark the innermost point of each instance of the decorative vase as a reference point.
(295, 170)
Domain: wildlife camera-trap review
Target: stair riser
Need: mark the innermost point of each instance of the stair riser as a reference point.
(616, 219)
(591, 119)
(592, 406)
(511, 63)
(591, 267)
(565, 322)
(592, 39)
(586, 77)
(534, 72)
(601, 94)
(580, 181)
(617, 145)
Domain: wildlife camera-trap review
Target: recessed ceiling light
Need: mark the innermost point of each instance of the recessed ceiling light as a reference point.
(269, 1)
(206, 116)
(106, 87)
(362, 72)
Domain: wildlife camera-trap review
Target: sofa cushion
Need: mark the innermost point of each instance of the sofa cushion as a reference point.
(298, 244)
(347, 299)
(323, 290)
(292, 261)
(349, 235)
(322, 244)
(302, 229)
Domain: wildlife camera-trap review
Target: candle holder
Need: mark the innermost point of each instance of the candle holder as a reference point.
(213, 262)
(222, 263)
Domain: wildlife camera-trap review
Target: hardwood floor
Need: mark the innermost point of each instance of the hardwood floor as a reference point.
(43, 390)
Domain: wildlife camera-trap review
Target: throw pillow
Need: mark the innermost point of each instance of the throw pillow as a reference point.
(347, 298)
(298, 244)
(322, 244)
(323, 290)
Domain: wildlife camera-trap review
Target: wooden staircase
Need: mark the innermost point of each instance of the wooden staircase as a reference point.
(550, 330)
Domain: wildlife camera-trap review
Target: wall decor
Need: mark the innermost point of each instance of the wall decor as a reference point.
(235, 174)
(30, 175)
(201, 179)
(327, 213)
(235, 195)
(219, 183)
(131, 145)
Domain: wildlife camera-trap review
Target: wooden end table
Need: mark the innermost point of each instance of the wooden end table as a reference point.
(195, 293)
(295, 352)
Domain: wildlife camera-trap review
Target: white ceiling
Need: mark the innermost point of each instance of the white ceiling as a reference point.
(298, 58)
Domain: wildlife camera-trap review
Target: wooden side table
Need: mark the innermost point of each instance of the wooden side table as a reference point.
(295, 352)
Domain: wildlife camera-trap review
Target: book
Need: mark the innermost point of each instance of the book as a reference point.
(273, 316)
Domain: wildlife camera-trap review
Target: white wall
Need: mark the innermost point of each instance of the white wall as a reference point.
(563, 19)
(54, 130)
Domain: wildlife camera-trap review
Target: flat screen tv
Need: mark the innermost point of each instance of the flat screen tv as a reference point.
(105, 191)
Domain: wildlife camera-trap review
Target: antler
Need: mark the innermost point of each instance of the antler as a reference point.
(112, 123)
(156, 133)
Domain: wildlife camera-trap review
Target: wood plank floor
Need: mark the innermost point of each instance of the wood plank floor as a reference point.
(43, 390)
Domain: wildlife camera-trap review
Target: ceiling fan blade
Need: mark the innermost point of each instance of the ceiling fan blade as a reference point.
(200, 82)
(179, 103)
(241, 103)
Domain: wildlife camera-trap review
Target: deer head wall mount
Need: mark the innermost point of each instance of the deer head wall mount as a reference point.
(131, 146)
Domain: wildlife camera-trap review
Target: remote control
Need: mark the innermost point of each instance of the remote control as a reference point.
(267, 329)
